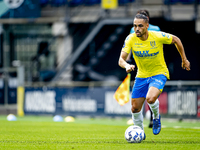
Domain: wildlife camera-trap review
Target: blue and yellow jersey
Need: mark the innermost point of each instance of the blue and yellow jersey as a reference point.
(148, 54)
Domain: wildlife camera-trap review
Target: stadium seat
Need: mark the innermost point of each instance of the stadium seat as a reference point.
(58, 3)
(73, 3)
(43, 3)
(47, 75)
(92, 2)
(179, 1)
(121, 2)
(171, 1)
(187, 1)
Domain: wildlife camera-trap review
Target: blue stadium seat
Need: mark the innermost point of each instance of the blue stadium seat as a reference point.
(43, 2)
(179, 1)
(73, 3)
(131, 1)
(187, 1)
(125, 1)
(92, 2)
(121, 2)
(58, 3)
(171, 1)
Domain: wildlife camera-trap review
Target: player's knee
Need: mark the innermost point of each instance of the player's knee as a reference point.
(134, 109)
(151, 99)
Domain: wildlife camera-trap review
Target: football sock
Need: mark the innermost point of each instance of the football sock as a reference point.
(138, 119)
(155, 109)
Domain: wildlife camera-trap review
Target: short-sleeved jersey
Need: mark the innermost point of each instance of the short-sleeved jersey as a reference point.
(148, 54)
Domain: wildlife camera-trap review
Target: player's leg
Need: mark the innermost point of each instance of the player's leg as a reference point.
(155, 88)
(151, 118)
(152, 101)
(139, 92)
(136, 108)
(137, 115)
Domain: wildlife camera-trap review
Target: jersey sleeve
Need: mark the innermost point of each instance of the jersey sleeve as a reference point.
(165, 38)
(127, 44)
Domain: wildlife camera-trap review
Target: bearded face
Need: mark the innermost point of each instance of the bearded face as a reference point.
(140, 27)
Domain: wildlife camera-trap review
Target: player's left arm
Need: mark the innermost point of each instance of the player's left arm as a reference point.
(177, 42)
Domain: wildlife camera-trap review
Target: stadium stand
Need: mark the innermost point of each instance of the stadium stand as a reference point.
(92, 2)
(58, 3)
(44, 3)
(82, 16)
(98, 51)
(75, 3)
(179, 1)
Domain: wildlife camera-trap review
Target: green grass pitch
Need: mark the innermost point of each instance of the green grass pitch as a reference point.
(41, 133)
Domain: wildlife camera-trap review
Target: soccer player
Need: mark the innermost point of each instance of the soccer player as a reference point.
(152, 74)
(150, 28)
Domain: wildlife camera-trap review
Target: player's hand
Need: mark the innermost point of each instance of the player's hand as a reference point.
(186, 65)
(129, 68)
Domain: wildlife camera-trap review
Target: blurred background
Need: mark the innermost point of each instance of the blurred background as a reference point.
(61, 56)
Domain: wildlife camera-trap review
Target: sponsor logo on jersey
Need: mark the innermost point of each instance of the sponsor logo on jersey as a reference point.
(145, 54)
(138, 43)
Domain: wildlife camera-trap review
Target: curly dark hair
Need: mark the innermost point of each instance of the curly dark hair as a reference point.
(141, 16)
(144, 12)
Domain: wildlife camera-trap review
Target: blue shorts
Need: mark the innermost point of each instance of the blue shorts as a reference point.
(142, 85)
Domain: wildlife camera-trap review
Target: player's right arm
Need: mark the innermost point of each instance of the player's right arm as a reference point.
(124, 54)
(122, 62)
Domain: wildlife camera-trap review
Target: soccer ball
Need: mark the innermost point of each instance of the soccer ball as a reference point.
(134, 134)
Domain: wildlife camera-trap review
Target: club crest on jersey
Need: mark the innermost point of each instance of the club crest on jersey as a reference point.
(153, 43)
